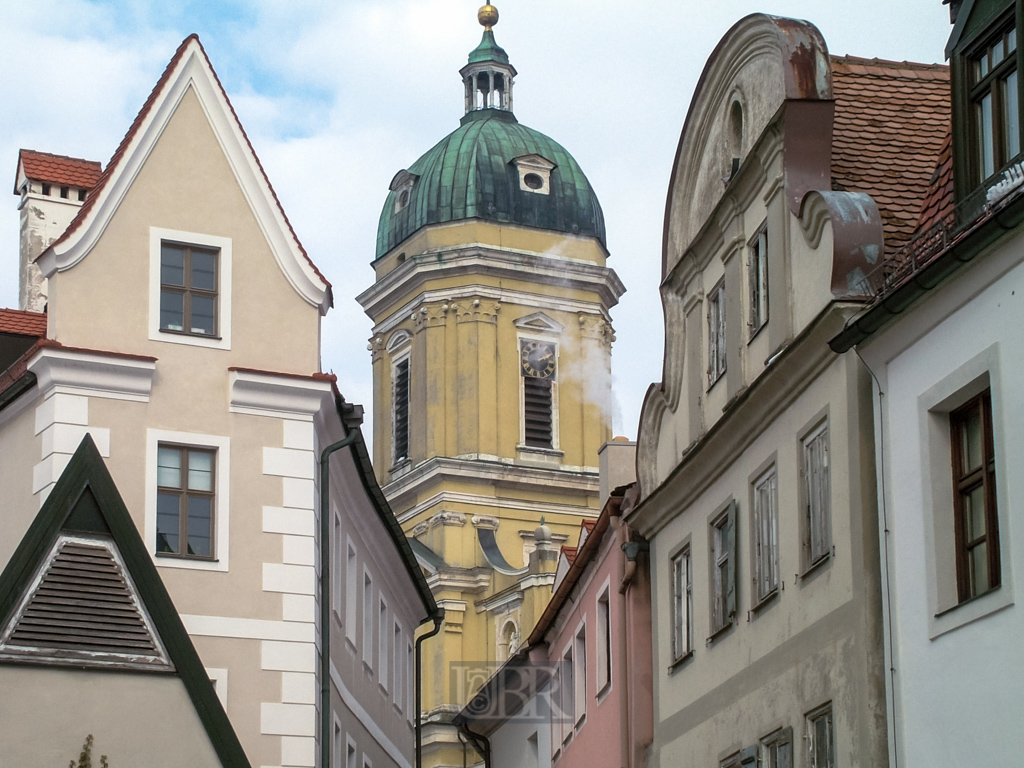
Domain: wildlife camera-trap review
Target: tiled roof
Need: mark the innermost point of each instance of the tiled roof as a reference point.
(570, 554)
(22, 323)
(589, 525)
(938, 202)
(890, 122)
(119, 153)
(58, 169)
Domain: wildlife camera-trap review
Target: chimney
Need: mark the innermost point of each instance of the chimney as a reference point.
(51, 188)
(617, 465)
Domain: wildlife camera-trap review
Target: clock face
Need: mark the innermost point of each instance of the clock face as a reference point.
(538, 359)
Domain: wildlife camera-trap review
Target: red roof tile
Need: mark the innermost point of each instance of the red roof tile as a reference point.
(570, 554)
(938, 202)
(23, 323)
(589, 525)
(890, 123)
(58, 169)
(118, 155)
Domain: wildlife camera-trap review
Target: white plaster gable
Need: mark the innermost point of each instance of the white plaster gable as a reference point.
(190, 69)
(762, 62)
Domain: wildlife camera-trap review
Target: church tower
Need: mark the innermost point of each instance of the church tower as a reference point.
(491, 356)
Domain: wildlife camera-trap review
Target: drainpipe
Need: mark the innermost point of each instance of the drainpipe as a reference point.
(623, 535)
(631, 550)
(437, 618)
(325, 602)
(480, 742)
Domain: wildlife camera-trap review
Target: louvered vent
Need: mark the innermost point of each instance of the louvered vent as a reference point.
(401, 410)
(83, 608)
(537, 411)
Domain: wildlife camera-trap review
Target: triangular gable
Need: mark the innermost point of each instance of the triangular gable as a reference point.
(85, 508)
(189, 68)
(538, 321)
(83, 609)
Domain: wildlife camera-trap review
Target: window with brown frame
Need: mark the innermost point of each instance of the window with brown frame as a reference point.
(188, 289)
(974, 497)
(994, 107)
(185, 501)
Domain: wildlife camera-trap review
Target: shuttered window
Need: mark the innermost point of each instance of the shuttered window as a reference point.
(817, 492)
(83, 608)
(537, 410)
(757, 277)
(723, 529)
(682, 605)
(401, 410)
(766, 535)
(821, 751)
(777, 749)
(716, 333)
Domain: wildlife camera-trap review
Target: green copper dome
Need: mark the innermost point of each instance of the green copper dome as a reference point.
(471, 174)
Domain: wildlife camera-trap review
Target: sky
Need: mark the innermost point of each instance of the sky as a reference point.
(338, 95)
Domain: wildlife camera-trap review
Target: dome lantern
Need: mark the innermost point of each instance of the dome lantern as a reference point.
(488, 76)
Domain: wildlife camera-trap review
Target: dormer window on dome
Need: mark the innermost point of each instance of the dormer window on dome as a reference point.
(488, 76)
(534, 173)
(402, 186)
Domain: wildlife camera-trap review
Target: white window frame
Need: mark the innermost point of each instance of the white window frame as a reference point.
(410, 690)
(603, 613)
(398, 636)
(579, 675)
(337, 548)
(351, 752)
(221, 446)
(817, 518)
(158, 235)
(567, 695)
(219, 677)
(351, 591)
(945, 612)
(337, 740)
(383, 630)
(810, 719)
(368, 618)
(682, 603)
(765, 509)
(717, 359)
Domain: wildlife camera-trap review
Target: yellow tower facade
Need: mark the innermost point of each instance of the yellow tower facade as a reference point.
(491, 357)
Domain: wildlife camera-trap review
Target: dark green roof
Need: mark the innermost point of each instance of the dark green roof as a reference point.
(469, 174)
(488, 50)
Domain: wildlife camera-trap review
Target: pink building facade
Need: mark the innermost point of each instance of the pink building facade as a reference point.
(578, 694)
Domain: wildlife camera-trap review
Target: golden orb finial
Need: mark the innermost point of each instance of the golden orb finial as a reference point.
(487, 16)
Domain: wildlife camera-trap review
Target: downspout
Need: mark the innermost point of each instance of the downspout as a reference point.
(325, 602)
(623, 535)
(437, 618)
(631, 550)
(480, 742)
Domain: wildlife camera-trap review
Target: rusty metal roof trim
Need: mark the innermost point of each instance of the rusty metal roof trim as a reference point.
(857, 239)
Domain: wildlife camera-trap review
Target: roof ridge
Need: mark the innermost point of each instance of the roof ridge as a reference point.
(851, 59)
(55, 156)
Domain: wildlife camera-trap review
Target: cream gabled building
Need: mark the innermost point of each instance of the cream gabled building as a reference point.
(491, 356)
(182, 333)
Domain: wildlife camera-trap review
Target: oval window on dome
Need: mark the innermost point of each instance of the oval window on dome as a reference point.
(533, 181)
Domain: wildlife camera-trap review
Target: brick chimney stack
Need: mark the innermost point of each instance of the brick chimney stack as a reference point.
(52, 189)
